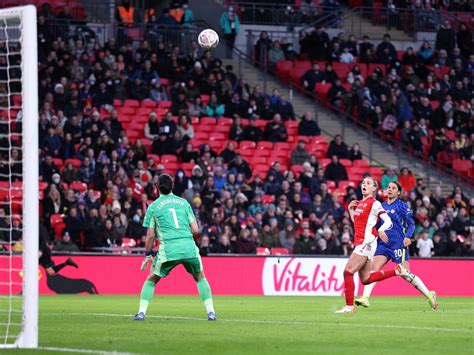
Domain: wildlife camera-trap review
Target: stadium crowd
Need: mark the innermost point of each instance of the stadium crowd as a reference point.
(238, 211)
(422, 98)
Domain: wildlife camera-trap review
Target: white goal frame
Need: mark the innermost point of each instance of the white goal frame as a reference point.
(28, 337)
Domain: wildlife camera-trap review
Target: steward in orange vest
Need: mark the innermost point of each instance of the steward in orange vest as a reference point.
(126, 14)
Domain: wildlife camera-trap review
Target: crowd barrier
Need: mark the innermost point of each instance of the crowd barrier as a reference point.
(242, 275)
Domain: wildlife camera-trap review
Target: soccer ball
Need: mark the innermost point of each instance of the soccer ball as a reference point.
(208, 39)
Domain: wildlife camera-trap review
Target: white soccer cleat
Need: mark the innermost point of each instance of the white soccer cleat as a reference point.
(346, 309)
(432, 300)
(401, 271)
(363, 302)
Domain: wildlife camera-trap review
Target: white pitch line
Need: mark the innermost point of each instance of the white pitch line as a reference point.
(253, 321)
(82, 351)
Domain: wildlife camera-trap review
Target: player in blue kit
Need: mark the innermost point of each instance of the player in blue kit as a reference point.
(399, 238)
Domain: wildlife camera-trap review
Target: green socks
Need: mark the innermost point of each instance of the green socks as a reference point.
(147, 294)
(148, 290)
(205, 293)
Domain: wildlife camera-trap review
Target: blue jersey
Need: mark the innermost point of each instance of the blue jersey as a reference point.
(403, 226)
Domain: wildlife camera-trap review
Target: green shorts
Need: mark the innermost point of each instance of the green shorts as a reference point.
(192, 265)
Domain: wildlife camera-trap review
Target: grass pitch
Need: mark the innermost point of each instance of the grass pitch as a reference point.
(253, 325)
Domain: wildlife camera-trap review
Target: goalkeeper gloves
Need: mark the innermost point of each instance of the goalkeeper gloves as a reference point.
(148, 259)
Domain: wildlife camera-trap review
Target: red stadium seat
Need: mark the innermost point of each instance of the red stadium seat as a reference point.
(257, 160)
(263, 251)
(217, 136)
(144, 111)
(222, 128)
(126, 111)
(281, 146)
(462, 166)
(284, 68)
(264, 145)
(345, 162)
(78, 186)
(155, 157)
(131, 103)
(324, 162)
(280, 251)
(58, 225)
(342, 69)
(58, 162)
(246, 145)
(345, 184)
(168, 158)
(165, 104)
(201, 136)
(208, 121)
(225, 121)
(148, 103)
(75, 162)
(361, 163)
(267, 199)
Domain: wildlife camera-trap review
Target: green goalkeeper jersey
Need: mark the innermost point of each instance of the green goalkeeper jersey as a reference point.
(170, 217)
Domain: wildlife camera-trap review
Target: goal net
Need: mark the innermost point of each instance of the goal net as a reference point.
(18, 178)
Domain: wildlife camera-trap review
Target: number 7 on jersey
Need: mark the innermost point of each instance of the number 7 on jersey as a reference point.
(175, 217)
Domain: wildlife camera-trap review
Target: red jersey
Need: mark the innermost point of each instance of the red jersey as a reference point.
(366, 215)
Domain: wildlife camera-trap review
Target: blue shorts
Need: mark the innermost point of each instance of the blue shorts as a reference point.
(392, 253)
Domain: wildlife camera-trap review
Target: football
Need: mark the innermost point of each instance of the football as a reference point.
(208, 39)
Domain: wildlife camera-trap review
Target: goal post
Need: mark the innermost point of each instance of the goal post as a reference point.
(18, 31)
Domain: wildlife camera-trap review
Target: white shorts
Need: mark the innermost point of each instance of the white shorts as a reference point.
(367, 249)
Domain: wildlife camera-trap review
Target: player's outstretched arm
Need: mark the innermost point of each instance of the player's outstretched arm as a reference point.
(150, 239)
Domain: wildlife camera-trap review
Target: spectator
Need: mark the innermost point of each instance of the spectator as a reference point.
(262, 47)
(448, 155)
(426, 52)
(236, 132)
(336, 93)
(387, 178)
(355, 153)
(185, 128)
(287, 236)
(230, 26)
(213, 108)
(224, 246)
(240, 166)
(65, 245)
(275, 131)
(346, 56)
(306, 243)
(407, 180)
(309, 125)
(299, 155)
(424, 246)
(464, 40)
(445, 38)
(309, 11)
(245, 244)
(338, 147)
(252, 132)
(229, 153)
(335, 171)
(312, 77)
(275, 54)
(285, 109)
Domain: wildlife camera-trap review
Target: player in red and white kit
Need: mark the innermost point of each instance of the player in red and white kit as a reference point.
(365, 214)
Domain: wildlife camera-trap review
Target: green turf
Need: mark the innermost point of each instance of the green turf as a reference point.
(256, 325)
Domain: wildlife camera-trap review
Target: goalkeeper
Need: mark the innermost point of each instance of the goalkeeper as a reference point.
(171, 218)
